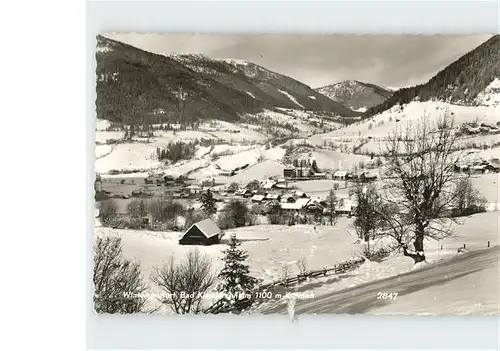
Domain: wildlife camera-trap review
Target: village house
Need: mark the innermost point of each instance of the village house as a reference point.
(205, 232)
(346, 206)
(193, 189)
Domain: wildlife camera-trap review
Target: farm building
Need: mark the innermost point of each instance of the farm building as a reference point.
(340, 175)
(205, 232)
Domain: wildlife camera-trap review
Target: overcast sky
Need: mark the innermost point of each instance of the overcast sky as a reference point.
(318, 60)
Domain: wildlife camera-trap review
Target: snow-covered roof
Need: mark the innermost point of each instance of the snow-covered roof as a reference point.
(272, 196)
(258, 197)
(316, 199)
(302, 202)
(340, 174)
(193, 186)
(290, 206)
(267, 184)
(207, 227)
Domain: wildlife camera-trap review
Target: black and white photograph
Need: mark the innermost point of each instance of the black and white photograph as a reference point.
(296, 174)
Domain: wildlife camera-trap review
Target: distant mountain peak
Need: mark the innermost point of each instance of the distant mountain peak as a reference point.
(355, 94)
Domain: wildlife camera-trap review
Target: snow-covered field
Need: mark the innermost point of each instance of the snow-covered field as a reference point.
(125, 156)
(272, 247)
(474, 231)
(141, 154)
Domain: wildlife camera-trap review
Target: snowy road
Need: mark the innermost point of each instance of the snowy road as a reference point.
(470, 280)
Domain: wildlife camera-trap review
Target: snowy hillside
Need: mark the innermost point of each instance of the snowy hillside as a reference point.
(491, 95)
(383, 123)
(461, 82)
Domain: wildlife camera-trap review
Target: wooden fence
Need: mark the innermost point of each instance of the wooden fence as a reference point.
(343, 267)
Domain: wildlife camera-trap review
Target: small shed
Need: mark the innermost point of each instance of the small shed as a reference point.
(205, 232)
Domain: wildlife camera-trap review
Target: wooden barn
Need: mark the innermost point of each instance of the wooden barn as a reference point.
(205, 232)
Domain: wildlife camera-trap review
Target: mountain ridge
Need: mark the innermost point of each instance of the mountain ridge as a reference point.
(460, 82)
(134, 83)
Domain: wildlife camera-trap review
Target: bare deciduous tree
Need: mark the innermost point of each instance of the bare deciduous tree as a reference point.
(118, 286)
(302, 266)
(420, 172)
(184, 285)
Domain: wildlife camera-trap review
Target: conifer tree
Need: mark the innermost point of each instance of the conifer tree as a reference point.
(235, 283)
(208, 203)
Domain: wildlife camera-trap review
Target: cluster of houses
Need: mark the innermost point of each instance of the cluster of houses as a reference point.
(295, 206)
(483, 128)
(271, 194)
(362, 176)
(479, 167)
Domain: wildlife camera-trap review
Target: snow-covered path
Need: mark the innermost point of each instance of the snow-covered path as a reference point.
(465, 284)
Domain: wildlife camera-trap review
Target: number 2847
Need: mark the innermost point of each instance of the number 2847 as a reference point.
(387, 296)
